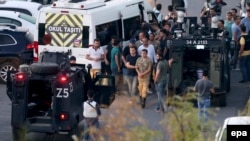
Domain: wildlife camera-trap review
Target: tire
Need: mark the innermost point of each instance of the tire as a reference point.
(4, 68)
(44, 68)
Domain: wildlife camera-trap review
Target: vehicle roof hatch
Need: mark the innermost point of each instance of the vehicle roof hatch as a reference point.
(85, 4)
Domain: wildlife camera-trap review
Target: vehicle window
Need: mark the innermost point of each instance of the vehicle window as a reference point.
(224, 135)
(131, 25)
(85, 37)
(27, 18)
(104, 32)
(8, 20)
(6, 40)
(17, 10)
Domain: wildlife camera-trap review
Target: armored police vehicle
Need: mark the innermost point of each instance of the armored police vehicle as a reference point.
(194, 54)
(47, 96)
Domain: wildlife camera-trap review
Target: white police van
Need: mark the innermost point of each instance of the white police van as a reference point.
(86, 20)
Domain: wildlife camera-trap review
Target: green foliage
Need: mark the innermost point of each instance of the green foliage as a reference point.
(246, 110)
(180, 123)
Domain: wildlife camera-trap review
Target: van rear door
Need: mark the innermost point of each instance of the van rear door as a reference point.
(65, 29)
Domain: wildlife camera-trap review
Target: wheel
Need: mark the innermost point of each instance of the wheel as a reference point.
(4, 68)
(44, 68)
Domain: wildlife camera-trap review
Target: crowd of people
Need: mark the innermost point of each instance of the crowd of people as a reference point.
(144, 63)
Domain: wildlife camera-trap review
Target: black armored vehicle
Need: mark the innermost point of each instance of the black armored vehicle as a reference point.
(192, 55)
(47, 96)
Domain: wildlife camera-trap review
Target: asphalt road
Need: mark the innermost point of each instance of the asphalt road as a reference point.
(236, 100)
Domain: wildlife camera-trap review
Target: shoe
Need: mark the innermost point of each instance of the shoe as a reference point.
(149, 92)
(242, 81)
(157, 110)
(143, 105)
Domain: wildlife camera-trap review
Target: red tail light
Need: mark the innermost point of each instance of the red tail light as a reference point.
(63, 116)
(29, 46)
(35, 51)
(63, 78)
(20, 76)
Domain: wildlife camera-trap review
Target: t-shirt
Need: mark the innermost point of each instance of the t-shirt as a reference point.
(236, 29)
(115, 51)
(246, 22)
(143, 64)
(156, 44)
(108, 55)
(203, 87)
(138, 43)
(132, 61)
(228, 26)
(125, 53)
(163, 67)
(163, 45)
(245, 41)
(95, 53)
(158, 14)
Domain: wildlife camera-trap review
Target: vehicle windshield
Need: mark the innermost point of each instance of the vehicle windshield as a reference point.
(224, 135)
(27, 18)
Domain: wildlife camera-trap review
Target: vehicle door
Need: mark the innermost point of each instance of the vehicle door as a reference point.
(131, 18)
(104, 86)
(65, 29)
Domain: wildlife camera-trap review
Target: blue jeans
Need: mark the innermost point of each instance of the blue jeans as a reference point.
(245, 67)
(203, 105)
(132, 85)
(160, 89)
(124, 73)
(116, 74)
(87, 125)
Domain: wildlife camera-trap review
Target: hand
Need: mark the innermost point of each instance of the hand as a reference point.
(140, 75)
(106, 62)
(155, 81)
(119, 70)
(170, 61)
(98, 59)
(127, 64)
(136, 67)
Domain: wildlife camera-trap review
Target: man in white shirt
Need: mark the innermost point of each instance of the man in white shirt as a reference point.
(150, 48)
(95, 54)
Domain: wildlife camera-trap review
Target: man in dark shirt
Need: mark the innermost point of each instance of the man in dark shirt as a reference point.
(204, 87)
(131, 73)
(107, 56)
(125, 53)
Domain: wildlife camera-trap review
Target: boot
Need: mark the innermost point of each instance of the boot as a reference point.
(143, 103)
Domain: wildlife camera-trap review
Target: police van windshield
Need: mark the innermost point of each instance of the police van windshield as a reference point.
(77, 36)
